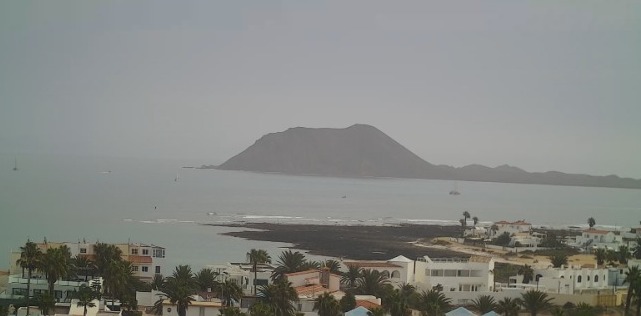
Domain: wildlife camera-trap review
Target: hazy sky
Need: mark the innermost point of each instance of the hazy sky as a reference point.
(543, 85)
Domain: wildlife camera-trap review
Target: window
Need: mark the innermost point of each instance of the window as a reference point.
(437, 273)
(578, 279)
(157, 269)
(158, 253)
(396, 274)
(134, 268)
(463, 273)
(596, 278)
(145, 269)
(19, 291)
(83, 250)
(449, 273)
(57, 294)
(588, 278)
(134, 251)
(385, 274)
(145, 252)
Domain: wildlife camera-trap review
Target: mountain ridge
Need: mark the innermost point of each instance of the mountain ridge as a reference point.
(363, 150)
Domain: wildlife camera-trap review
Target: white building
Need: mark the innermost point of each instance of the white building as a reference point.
(566, 280)
(453, 274)
(456, 274)
(511, 228)
(146, 259)
(198, 307)
(595, 238)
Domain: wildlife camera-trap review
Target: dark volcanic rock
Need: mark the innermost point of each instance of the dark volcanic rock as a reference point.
(364, 151)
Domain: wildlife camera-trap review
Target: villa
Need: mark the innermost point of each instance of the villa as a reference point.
(566, 280)
(452, 274)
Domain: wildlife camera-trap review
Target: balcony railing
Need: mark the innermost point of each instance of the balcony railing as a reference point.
(35, 281)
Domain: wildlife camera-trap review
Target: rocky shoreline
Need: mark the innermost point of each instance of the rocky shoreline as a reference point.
(352, 242)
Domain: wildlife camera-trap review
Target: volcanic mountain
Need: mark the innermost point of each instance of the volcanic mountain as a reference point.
(364, 151)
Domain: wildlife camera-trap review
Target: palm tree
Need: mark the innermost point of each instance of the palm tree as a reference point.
(30, 258)
(230, 291)
(288, 262)
(484, 304)
(157, 282)
(179, 287)
(637, 249)
(475, 219)
(348, 301)
(261, 309)
(527, 272)
(633, 278)
(600, 255)
(279, 297)
(535, 301)
(508, 306)
(433, 303)
(46, 302)
(624, 254)
(591, 222)
(350, 277)
(255, 257)
(399, 300)
(371, 282)
(327, 305)
(82, 263)
(105, 255)
(206, 279)
(466, 215)
(86, 295)
(611, 256)
(559, 260)
(333, 266)
(56, 265)
(118, 279)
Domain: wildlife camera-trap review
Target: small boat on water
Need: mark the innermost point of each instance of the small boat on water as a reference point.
(455, 190)
(15, 164)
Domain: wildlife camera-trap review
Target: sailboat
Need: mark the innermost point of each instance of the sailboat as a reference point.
(455, 190)
(15, 164)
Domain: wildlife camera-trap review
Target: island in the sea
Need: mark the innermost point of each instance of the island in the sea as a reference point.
(365, 151)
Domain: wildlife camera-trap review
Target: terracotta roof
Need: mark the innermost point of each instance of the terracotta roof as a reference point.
(367, 304)
(371, 264)
(596, 231)
(140, 259)
(311, 289)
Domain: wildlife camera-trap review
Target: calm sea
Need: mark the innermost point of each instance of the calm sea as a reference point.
(158, 201)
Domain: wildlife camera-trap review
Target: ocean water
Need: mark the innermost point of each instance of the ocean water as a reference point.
(158, 201)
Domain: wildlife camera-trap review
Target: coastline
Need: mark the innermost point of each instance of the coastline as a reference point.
(352, 242)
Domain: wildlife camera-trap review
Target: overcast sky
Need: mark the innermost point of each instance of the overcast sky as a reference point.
(543, 85)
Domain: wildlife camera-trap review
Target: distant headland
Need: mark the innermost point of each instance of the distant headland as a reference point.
(364, 151)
